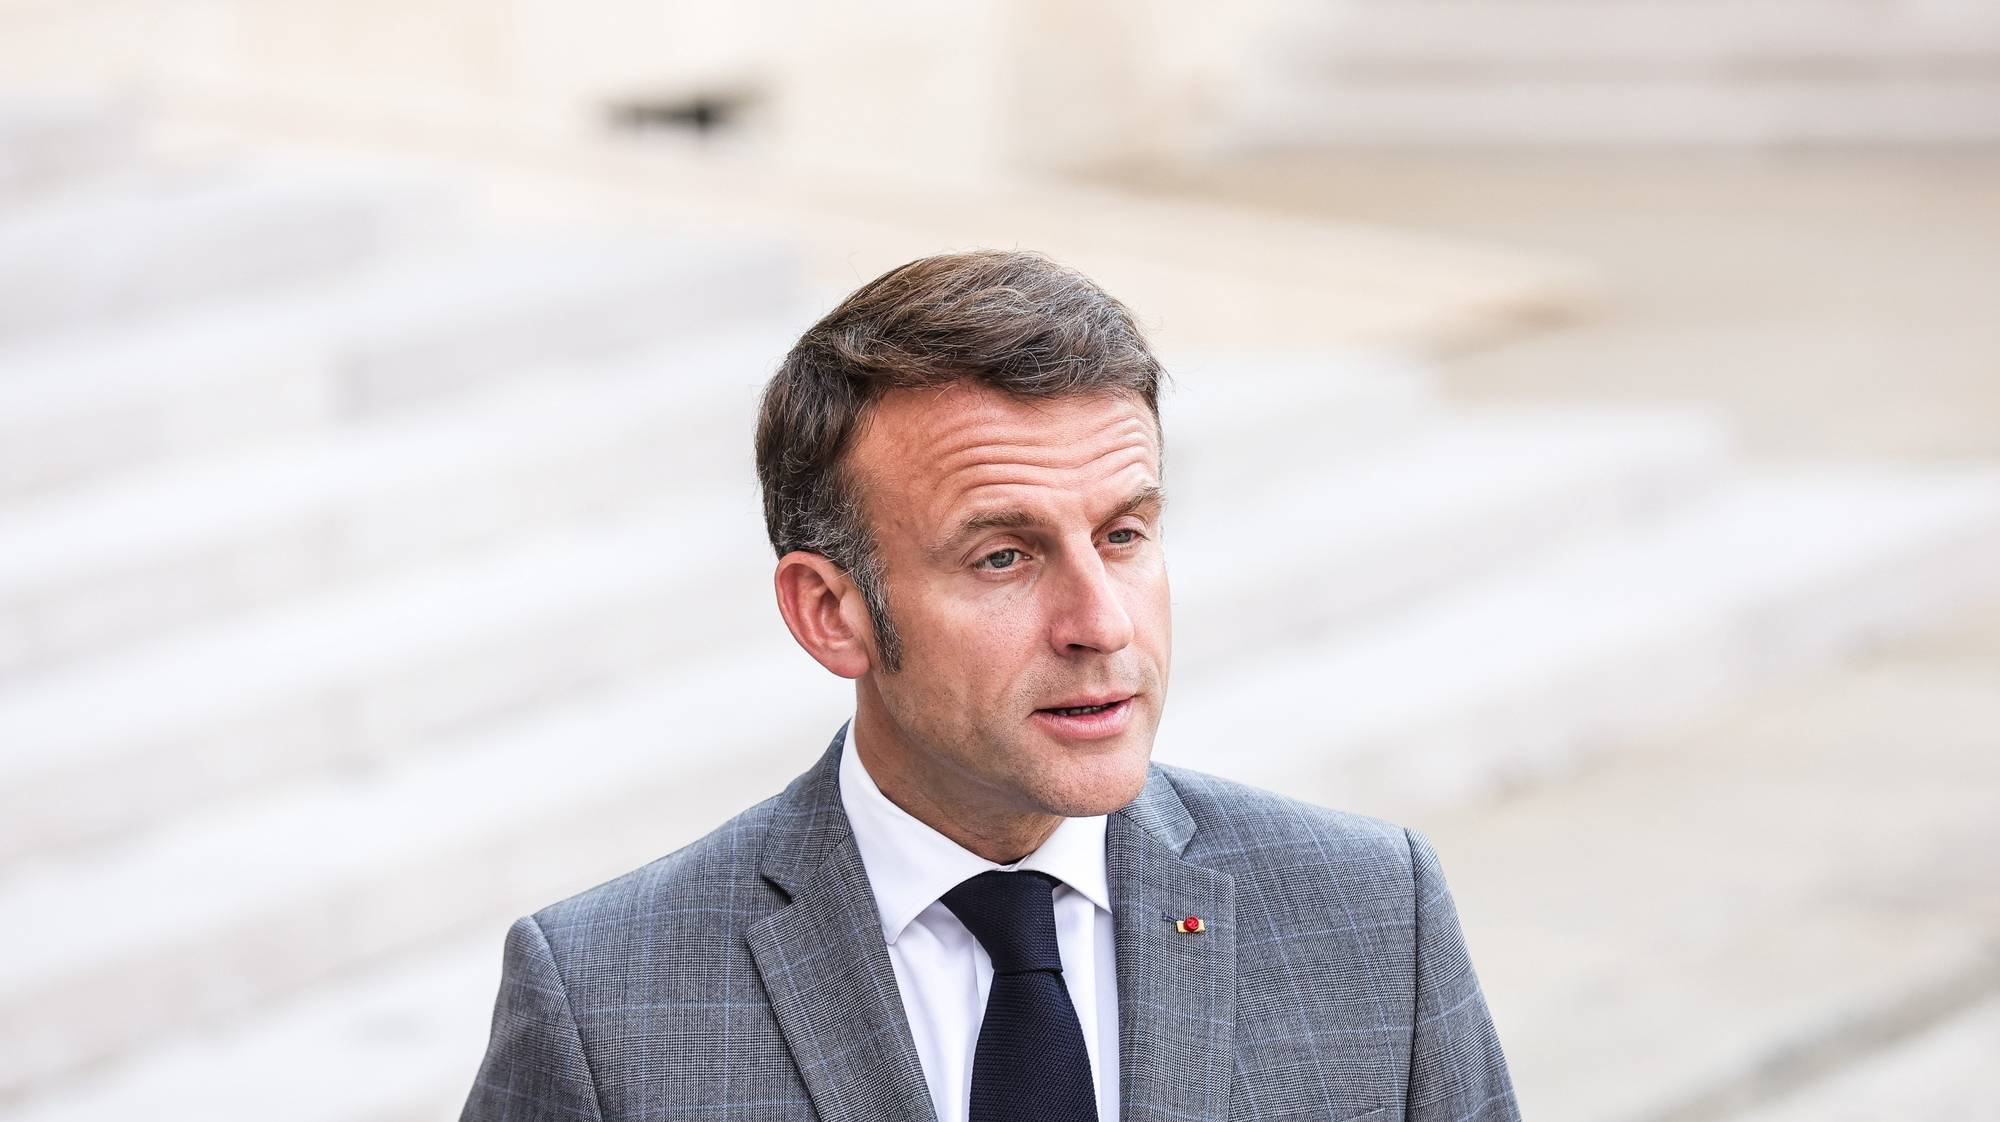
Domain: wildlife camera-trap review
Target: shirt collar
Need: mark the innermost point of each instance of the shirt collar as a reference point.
(910, 865)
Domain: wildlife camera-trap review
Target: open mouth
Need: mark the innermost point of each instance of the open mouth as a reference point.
(1081, 710)
(1086, 722)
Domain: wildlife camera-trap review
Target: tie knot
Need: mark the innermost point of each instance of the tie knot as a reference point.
(1013, 915)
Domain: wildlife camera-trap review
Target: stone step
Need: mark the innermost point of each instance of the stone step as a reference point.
(203, 540)
(417, 1023)
(1547, 71)
(1622, 39)
(411, 1037)
(1236, 418)
(1944, 1071)
(366, 671)
(246, 906)
(47, 142)
(1288, 114)
(419, 327)
(1505, 679)
(1318, 546)
(1230, 273)
(361, 674)
(141, 245)
(1753, 909)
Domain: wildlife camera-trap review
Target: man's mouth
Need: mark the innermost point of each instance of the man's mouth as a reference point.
(1086, 717)
(1080, 710)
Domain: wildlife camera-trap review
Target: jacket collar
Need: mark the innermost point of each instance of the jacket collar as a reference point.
(809, 824)
(833, 989)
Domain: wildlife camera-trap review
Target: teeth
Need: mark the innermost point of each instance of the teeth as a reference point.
(1081, 710)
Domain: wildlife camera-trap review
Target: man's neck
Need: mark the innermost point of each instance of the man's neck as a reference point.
(1000, 837)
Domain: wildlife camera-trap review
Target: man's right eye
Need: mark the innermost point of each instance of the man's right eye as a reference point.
(1000, 559)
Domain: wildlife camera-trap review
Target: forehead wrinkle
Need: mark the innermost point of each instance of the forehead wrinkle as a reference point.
(957, 450)
(1055, 454)
(959, 484)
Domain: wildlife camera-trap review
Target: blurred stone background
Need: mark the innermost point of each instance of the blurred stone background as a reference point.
(1585, 446)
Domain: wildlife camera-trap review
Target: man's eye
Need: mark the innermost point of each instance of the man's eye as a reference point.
(1131, 536)
(1000, 559)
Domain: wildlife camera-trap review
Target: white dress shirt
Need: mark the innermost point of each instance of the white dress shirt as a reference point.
(942, 971)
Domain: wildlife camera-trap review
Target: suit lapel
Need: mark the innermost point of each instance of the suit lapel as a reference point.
(826, 967)
(1176, 991)
(833, 990)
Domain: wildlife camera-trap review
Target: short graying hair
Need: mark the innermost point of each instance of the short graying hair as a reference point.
(1011, 320)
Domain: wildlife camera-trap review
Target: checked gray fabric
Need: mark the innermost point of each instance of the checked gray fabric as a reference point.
(1030, 1061)
(745, 977)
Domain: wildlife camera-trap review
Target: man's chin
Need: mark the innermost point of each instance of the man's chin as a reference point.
(1118, 800)
(1106, 786)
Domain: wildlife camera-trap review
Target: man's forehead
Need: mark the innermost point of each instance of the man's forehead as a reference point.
(928, 459)
(910, 425)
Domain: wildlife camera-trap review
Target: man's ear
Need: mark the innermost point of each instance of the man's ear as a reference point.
(825, 612)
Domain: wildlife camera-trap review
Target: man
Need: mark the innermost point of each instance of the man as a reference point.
(983, 902)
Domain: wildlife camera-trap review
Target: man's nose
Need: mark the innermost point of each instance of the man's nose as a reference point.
(1089, 614)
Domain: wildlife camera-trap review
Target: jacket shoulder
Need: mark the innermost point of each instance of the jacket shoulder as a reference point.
(710, 885)
(1243, 828)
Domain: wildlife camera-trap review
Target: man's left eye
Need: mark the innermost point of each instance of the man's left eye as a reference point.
(1131, 536)
(1000, 559)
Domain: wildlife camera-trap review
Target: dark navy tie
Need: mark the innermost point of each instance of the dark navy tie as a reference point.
(1030, 1065)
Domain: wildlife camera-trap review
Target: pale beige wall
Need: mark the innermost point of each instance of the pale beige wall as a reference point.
(964, 89)
(981, 87)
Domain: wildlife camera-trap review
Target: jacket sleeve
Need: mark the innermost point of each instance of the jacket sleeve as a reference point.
(1457, 1073)
(534, 1068)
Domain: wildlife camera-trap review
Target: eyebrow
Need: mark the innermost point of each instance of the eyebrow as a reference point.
(1152, 494)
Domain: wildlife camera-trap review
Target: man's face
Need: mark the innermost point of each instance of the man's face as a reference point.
(1021, 551)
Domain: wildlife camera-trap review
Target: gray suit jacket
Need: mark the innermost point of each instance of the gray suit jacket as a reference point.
(745, 976)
